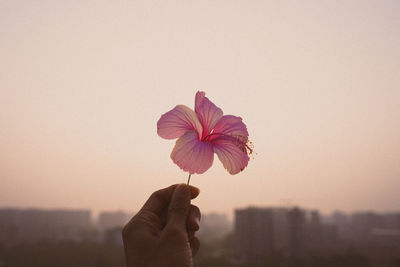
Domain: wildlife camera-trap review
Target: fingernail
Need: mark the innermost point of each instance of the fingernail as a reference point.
(197, 222)
(182, 189)
(194, 191)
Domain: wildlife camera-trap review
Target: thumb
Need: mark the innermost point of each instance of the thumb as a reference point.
(179, 205)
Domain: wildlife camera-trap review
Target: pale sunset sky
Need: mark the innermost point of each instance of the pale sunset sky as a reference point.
(83, 83)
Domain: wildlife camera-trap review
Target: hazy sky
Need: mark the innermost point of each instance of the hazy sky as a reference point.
(83, 83)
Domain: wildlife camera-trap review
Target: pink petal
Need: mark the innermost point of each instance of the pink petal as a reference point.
(209, 114)
(192, 155)
(231, 153)
(232, 126)
(178, 121)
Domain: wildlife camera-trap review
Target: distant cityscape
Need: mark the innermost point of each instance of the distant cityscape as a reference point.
(263, 233)
(256, 237)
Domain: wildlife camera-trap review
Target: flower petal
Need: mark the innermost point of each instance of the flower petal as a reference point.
(192, 155)
(209, 114)
(178, 121)
(232, 154)
(230, 125)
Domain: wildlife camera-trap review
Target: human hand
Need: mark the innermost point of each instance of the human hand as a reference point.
(162, 233)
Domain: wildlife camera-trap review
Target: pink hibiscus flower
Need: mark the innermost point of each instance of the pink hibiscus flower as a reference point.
(202, 132)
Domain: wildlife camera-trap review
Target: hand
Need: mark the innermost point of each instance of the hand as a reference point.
(162, 232)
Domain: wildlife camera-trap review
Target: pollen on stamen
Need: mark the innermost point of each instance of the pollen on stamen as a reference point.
(250, 148)
(244, 143)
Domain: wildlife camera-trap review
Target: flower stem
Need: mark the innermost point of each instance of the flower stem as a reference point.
(189, 179)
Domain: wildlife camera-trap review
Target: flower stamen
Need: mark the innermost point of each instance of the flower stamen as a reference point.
(242, 142)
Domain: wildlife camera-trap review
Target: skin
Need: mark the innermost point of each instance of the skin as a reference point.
(162, 233)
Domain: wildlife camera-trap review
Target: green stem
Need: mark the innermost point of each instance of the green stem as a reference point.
(189, 179)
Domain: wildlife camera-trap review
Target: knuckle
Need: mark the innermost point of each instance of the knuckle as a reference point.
(127, 230)
(124, 231)
(156, 196)
(131, 227)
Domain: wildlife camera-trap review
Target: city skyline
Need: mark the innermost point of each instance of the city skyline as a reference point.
(255, 237)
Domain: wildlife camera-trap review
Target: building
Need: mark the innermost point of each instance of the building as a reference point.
(214, 226)
(296, 228)
(30, 225)
(253, 235)
(261, 233)
(113, 219)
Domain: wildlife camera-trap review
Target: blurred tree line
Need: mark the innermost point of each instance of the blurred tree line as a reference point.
(62, 254)
(217, 253)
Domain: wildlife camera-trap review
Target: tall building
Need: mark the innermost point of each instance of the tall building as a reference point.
(263, 232)
(371, 226)
(17, 225)
(296, 227)
(253, 235)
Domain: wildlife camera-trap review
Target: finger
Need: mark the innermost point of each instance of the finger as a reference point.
(159, 200)
(193, 220)
(154, 211)
(151, 212)
(179, 205)
(194, 245)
